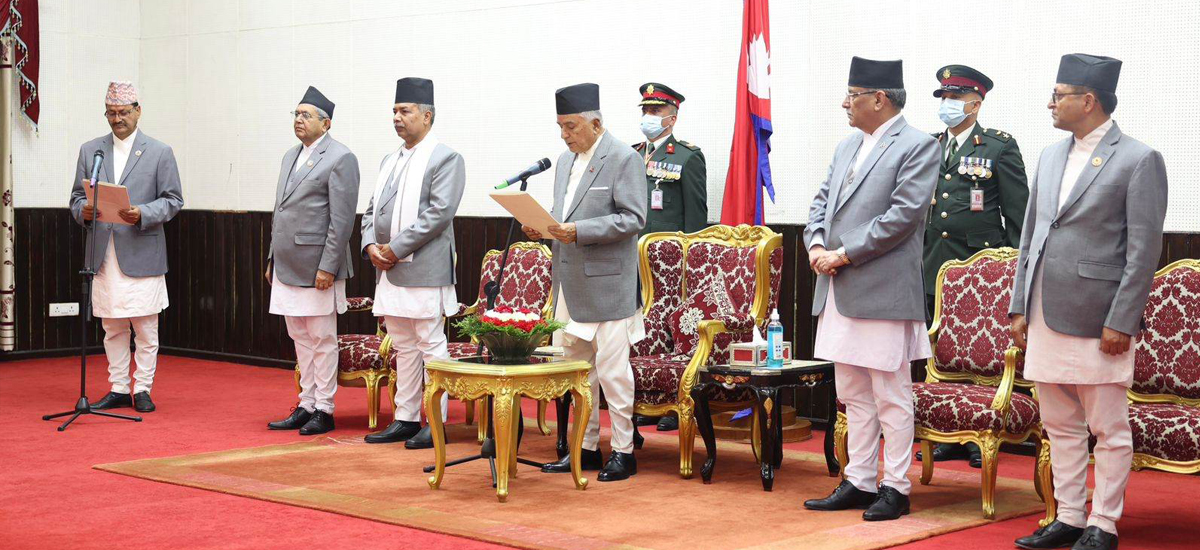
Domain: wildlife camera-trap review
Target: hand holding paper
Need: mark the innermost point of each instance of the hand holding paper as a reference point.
(114, 199)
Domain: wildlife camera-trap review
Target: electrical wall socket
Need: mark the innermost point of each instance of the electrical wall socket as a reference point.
(64, 310)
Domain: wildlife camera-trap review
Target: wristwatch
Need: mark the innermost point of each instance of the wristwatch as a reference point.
(841, 252)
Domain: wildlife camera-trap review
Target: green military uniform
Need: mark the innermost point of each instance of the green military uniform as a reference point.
(992, 164)
(677, 170)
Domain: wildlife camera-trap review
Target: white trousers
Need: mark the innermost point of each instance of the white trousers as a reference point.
(1068, 411)
(116, 347)
(317, 358)
(608, 352)
(414, 343)
(877, 400)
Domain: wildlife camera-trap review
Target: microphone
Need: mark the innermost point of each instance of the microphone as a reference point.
(97, 160)
(537, 168)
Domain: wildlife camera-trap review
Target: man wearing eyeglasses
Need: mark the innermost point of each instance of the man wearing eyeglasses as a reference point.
(980, 197)
(1093, 234)
(864, 242)
(130, 287)
(309, 259)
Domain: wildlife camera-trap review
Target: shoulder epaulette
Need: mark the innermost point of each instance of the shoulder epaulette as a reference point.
(639, 146)
(689, 145)
(998, 135)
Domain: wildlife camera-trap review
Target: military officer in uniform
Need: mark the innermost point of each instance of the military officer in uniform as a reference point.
(676, 180)
(980, 198)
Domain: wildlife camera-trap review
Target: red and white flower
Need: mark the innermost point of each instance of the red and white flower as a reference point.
(522, 318)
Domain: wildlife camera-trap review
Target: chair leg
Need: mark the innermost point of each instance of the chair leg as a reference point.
(989, 446)
(687, 442)
(541, 419)
(469, 404)
(840, 445)
(926, 461)
(372, 400)
(1046, 478)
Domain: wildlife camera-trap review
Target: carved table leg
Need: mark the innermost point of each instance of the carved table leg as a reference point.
(705, 425)
(563, 410)
(766, 403)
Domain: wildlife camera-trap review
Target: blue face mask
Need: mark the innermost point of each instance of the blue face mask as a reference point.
(951, 112)
(652, 126)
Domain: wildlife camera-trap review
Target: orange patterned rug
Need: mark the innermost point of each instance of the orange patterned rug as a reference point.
(653, 510)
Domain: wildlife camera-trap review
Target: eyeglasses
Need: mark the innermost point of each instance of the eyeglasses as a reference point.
(305, 115)
(852, 95)
(118, 114)
(1055, 97)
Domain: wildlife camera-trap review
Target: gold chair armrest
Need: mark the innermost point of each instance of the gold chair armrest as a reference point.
(385, 350)
(708, 331)
(1005, 390)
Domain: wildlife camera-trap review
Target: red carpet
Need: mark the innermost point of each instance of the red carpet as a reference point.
(52, 498)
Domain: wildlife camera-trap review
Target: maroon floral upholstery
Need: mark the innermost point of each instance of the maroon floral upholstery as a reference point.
(707, 302)
(655, 397)
(666, 272)
(956, 407)
(526, 278)
(974, 331)
(1167, 353)
(659, 372)
(460, 350)
(359, 352)
(359, 303)
(1166, 430)
(732, 265)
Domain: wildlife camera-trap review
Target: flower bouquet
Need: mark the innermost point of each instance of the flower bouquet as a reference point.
(509, 334)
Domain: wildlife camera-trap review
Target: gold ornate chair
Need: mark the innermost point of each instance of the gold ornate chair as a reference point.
(968, 392)
(684, 329)
(1164, 408)
(526, 284)
(364, 361)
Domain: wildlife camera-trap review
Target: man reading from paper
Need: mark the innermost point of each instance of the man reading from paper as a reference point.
(600, 196)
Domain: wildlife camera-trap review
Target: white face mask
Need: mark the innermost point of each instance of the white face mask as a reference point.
(652, 126)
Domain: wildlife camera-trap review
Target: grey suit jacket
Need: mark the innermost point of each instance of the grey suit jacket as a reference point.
(599, 270)
(431, 239)
(879, 218)
(1098, 253)
(314, 217)
(152, 177)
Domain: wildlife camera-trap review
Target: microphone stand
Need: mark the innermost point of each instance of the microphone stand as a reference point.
(82, 406)
(487, 451)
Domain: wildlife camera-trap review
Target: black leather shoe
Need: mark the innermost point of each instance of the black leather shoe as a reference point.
(113, 400)
(142, 402)
(320, 423)
(619, 466)
(948, 451)
(890, 504)
(398, 430)
(1095, 538)
(974, 455)
(638, 440)
(668, 424)
(588, 460)
(294, 421)
(423, 439)
(844, 497)
(1055, 535)
(639, 420)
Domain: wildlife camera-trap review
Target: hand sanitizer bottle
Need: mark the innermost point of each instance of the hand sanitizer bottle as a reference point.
(775, 342)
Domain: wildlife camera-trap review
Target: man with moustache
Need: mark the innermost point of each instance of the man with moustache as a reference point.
(408, 235)
(130, 286)
(600, 199)
(309, 261)
(1093, 234)
(864, 241)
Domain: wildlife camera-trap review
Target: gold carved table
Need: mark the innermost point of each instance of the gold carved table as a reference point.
(542, 379)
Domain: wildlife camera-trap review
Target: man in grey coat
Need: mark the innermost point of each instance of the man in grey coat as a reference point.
(600, 198)
(309, 260)
(408, 235)
(864, 238)
(130, 287)
(1093, 234)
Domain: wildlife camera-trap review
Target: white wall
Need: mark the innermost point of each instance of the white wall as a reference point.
(219, 76)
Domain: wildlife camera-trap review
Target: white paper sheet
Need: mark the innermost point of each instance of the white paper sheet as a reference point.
(526, 210)
(113, 199)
